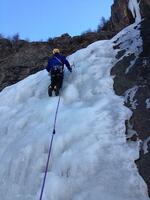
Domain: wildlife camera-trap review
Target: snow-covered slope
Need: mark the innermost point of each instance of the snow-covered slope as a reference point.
(90, 159)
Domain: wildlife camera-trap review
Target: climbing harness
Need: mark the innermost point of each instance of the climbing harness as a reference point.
(50, 148)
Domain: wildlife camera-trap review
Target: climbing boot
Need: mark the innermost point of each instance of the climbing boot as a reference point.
(56, 90)
(49, 90)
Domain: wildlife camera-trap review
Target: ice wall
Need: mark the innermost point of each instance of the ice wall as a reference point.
(135, 9)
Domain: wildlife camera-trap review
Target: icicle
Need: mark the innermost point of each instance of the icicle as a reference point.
(135, 9)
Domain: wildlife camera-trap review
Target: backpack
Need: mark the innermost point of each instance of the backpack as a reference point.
(57, 69)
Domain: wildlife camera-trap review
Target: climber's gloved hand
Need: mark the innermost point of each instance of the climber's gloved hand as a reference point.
(70, 70)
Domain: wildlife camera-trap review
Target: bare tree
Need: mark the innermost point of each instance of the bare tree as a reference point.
(87, 31)
(16, 37)
(1, 36)
(103, 21)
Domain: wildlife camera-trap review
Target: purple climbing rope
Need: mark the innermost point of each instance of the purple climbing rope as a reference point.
(49, 152)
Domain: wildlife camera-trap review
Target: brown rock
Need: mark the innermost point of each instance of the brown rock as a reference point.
(121, 16)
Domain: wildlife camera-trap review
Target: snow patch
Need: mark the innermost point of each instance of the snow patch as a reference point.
(130, 131)
(131, 65)
(147, 103)
(145, 145)
(129, 95)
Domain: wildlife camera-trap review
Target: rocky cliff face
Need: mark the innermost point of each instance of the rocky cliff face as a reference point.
(132, 80)
(145, 9)
(121, 16)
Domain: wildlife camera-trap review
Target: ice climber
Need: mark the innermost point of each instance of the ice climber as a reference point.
(56, 69)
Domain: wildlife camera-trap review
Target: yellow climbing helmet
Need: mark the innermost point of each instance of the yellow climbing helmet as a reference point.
(56, 51)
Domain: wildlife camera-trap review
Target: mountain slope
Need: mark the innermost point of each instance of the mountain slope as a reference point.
(90, 157)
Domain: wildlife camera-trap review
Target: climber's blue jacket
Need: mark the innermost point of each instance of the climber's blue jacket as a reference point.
(57, 60)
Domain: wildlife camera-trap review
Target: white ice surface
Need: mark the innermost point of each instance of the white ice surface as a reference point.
(129, 95)
(145, 145)
(131, 41)
(135, 9)
(90, 158)
(147, 103)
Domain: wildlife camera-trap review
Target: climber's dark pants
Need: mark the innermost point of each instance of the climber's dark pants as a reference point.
(56, 82)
